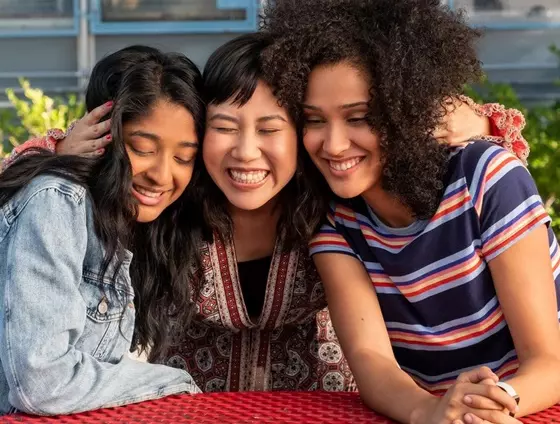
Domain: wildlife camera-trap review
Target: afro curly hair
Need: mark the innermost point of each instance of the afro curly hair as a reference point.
(417, 55)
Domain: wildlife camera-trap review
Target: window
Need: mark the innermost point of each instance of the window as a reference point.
(24, 18)
(512, 13)
(173, 16)
(168, 10)
(25, 9)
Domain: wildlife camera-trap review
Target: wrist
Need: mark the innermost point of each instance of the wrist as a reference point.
(423, 410)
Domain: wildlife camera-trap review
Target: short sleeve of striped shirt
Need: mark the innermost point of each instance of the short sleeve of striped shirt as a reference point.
(506, 200)
(329, 238)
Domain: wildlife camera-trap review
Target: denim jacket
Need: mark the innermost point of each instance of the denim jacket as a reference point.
(66, 330)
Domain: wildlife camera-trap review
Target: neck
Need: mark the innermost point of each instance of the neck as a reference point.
(254, 231)
(388, 208)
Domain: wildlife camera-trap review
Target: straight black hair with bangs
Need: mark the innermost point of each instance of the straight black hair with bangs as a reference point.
(231, 75)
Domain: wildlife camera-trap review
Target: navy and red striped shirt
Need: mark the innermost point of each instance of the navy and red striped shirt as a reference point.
(432, 278)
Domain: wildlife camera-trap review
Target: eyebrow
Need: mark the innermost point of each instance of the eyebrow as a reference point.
(155, 137)
(271, 118)
(345, 106)
(229, 118)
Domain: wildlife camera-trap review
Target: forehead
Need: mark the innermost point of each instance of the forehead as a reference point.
(328, 83)
(165, 119)
(262, 102)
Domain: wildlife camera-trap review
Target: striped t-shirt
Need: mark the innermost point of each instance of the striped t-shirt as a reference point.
(432, 278)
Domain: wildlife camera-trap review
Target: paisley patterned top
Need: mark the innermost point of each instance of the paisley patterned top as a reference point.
(292, 346)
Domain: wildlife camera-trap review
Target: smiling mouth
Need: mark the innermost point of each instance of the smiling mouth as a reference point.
(148, 193)
(341, 166)
(248, 177)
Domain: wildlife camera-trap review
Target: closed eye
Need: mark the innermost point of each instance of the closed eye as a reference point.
(268, 130)
(184, 161)
(226, 130)
(360, 119)
(140, 152)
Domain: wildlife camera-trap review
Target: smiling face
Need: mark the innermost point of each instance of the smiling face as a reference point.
(161, 148)
(250, 151)
(337, 134)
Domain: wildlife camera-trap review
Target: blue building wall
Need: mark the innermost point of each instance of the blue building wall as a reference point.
(54, 43)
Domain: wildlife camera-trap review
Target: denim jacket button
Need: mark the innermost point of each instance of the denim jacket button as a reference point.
(102, 307)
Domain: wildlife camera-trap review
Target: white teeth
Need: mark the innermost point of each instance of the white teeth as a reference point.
(147, 193)
(346, 165)
(251, 177)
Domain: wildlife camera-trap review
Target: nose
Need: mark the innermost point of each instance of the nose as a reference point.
(159, 172)
(246, 148)
(336, 140)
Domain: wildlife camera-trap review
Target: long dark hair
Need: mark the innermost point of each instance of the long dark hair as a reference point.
(231, 74)
(165, 250)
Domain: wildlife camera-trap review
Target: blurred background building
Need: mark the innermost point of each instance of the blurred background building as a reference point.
(54, 43)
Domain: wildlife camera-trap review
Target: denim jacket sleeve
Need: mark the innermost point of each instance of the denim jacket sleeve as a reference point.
(44, 314)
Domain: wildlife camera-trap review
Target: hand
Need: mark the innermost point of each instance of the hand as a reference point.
(460, 124)
(481, 402)
(88, 137)
(452, 409)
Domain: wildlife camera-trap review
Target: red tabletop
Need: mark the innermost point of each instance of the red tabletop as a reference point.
(244, 408)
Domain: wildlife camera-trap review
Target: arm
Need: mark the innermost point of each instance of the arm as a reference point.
(383, 386)
(44, 314)
(466, 120)
(363, 336)
(523, 279)
(517, 245)
(86, 137)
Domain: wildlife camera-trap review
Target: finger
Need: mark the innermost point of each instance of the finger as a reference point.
(481, 402)
(94, 116)
(90, 146)
(477, 375)
(95, 154)
(470, 418)
(488, 381)
(493, 393)
(495, 417)
(453, 142)
(97, 130)
(440, 132)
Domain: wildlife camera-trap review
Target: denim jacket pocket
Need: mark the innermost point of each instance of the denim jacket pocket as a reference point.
(110, 318)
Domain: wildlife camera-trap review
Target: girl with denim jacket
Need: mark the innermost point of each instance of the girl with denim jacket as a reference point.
(69, 229)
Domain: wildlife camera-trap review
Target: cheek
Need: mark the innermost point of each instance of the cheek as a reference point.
(312, 141)
(182, 178)
(366, 139)
(284, 154)
(214, 149)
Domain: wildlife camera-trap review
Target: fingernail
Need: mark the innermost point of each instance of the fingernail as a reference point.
(99, 151)
(468, 400)
(468, 418)
(109, 104)
(108, 136)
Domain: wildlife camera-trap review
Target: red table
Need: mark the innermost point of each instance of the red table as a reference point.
(244, 408)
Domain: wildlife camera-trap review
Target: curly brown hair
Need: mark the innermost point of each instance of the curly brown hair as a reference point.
(417, 55)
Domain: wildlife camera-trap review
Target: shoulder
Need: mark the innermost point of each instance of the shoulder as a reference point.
(482, 163)
(49, 193)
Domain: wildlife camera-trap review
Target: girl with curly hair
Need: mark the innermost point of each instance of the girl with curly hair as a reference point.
(441, 272)
(260, 321)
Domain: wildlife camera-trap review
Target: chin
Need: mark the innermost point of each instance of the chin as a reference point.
(248, 204)
(147, 216)
(346, 192)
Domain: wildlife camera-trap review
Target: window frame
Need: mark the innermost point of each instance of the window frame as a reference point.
(509, 26)
(100, 27)
(49, 28)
